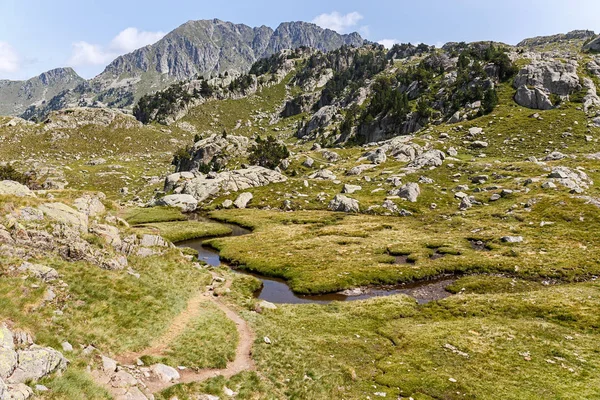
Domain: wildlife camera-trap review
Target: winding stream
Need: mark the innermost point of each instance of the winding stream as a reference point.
(277, 291)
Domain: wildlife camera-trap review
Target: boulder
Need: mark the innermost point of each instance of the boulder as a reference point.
(108, 364)
(344, 204)
(323, 174)
(64, 214)
(359, 169)
(431, 158)
(377, 157)
(185, 202)
(8, 362)
(410, 192)
(330, 156)
(349, 189)
(19, 391)
(36, 362)
(552, 76)
(232, 181)
(243, 200)
(533, 98)
(12, 188)
(39, 271)
(165, 373)
(309, 162)
(89, 205)
(216, 149)
(512, 239)
(594, 45)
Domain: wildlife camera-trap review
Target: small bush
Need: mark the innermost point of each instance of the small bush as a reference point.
(9, 173)
(268, 152)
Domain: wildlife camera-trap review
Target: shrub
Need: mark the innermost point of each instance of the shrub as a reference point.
(268, 152)
(9, 173)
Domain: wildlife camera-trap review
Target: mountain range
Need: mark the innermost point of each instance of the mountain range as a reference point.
(206, 48)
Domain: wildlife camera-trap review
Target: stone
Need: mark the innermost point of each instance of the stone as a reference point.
(64, 214)
(330, 156)
(36, 362)
(29, 214)
(267, 340)
(19, 391)
(39, 271)
(242, 201)
(475, 131)
(323, 174)
(377, 157)
(478, 144)
(108, 364)
(344, 204)
(165, 373)
(231, 181)
(495, 197)
(67, 347)
(320, 120)
(533, 98)
(465, 204)
(555, 156)
(359, 169)
(410, 192)
(12, 188)
(550, 76)
(309, 162)
(431, 158)
(512, 239)
(89, 205)
(452, 152)
(185, 202)
(480, 179)
(349, 189)
(227, 204)
(548, 185)
(41, 388)
(391, 206)
(267, 305)
(8, 362)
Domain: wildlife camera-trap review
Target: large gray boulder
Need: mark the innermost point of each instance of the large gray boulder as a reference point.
(35, 363)
(431, 158)
(89, 205)
(534, 98)
(12, 188)
(203, 187)
(217, 149)
(410, 192)
(594, 45)
(185, 202)
(344, 204)
(39, 271)
(243, 199)
(552, 76)
(165, 373)
(64, 214)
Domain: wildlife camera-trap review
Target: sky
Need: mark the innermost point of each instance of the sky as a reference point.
(39, 35)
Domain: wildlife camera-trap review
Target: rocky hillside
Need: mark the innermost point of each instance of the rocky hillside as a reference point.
(17, 96)
(197, 48)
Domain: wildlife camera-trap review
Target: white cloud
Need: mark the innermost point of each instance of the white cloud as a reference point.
(388, 43)
(338, 22)
(131, 39)
(126, 41)
(9, 59)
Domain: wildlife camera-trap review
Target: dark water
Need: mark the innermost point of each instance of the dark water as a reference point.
(277, 291)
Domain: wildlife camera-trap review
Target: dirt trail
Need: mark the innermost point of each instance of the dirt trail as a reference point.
(243, 357)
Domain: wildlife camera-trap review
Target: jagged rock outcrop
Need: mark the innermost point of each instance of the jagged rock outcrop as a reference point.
(343, 203)
(201, 187)
(215, 150)
(320, 120)
(593, 45)
(577, 35)
(541, 78)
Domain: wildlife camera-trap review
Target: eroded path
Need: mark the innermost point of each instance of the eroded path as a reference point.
(140, 381)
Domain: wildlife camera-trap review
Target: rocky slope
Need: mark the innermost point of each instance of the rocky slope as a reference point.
(17, 96)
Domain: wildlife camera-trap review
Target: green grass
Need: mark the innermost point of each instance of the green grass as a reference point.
(140, 216)
(208, 342)
(187, 230)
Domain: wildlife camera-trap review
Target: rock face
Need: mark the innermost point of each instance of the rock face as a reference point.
(201, 187)
(12, 188)
(541, 78)
(344, 204)
(594, 45)
(185, 202)
(581, 35)
(21, 361)
(321, 119)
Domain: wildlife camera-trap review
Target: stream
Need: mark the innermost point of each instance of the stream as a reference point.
(277, 291)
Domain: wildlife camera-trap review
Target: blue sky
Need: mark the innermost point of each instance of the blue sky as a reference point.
(38, 35)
